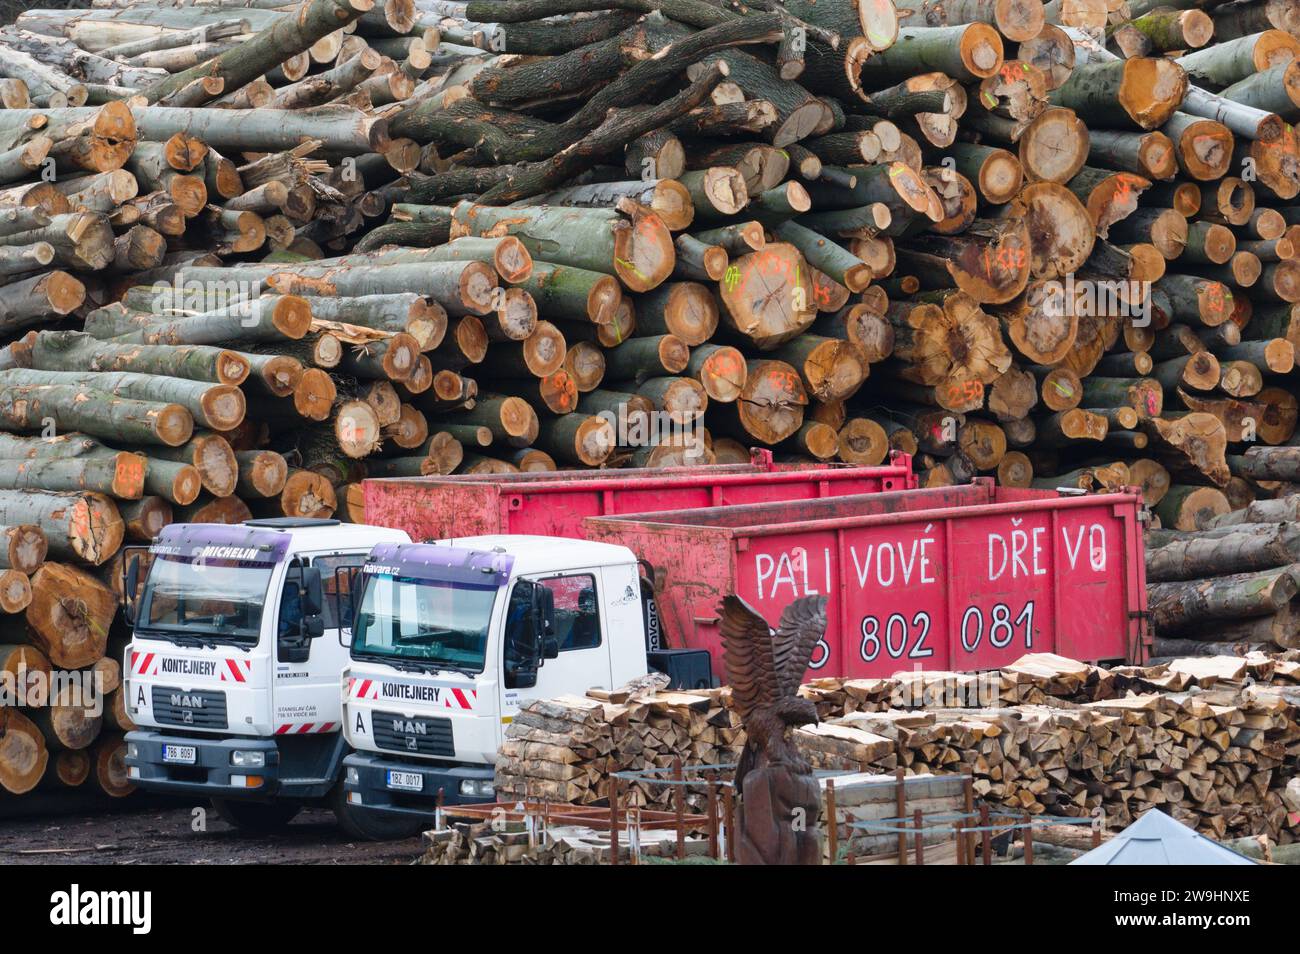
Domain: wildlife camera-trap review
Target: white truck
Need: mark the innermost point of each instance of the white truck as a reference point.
(232, 674)
(448, 639)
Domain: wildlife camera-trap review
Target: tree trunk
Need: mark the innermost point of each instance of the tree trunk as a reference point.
(110, 771)
(576, 439)
(67, 722)
(639, 252)
(1177, 606)
(1193, 443)
(144, 519)
(1138, 93)
(966, 53)
(770, 407)
(1202, 556)
(720, 369)
(274, 44)
(69, 615)
(641, 358)
(212, 456)
(119, 475)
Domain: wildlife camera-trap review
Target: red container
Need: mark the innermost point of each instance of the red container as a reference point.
(555, 504)
(951, 578)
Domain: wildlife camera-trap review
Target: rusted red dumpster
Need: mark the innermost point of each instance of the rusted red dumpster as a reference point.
(959, 578)
(554, 504)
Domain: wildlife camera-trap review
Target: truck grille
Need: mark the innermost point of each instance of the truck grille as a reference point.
(198, 709)
(426, 736)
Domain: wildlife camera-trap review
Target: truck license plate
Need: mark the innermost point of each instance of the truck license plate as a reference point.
(184, 754)
(406, 781)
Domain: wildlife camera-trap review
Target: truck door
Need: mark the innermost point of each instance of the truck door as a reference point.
(306, 699)
(583, 659)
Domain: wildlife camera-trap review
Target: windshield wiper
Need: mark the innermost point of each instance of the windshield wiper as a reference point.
(404, 664)
(195, 641)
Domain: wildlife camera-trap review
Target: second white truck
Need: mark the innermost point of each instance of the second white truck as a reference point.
(448, 640)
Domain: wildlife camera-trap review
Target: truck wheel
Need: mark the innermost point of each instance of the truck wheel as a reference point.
(256, 816)
(370, 826)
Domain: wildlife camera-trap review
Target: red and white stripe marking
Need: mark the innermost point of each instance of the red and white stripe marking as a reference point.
(452, 697)
(238, 670)
(305, 728)
(144, 664)
(228, 670)
(365, 689)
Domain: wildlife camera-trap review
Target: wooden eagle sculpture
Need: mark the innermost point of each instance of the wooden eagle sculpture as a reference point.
(779, 797)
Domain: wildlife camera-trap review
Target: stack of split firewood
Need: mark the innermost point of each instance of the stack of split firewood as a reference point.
(565, 749)
(1203, 738)
(482, 843)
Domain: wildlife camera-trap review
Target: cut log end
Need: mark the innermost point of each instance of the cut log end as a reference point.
(357, 429)
(644, 253)
(15, 591)
(307, 494)
(315, 394)
(511, 260)
(863, 442)
(23, 753)
(1151, 90)
(25, 547)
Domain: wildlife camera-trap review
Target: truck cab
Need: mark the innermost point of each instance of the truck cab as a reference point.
(449, 639)
(232, 672)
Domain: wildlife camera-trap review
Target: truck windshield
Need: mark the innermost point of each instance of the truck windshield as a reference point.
(431, 622)
(211, 599)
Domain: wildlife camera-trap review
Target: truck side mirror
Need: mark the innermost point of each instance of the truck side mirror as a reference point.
(544, 620)
(313, 627)
(313, 592)
(131, 580)
(345, 600)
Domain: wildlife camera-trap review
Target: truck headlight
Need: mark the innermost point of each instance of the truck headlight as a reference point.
(353, 776)
(477, 787)
(132, 750)
(248, 759)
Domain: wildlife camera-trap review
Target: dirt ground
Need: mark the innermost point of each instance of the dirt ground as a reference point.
(167, 836)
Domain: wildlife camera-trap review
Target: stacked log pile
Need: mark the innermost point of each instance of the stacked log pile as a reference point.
(469, 230)
(253, 253)
(61, 708)
(1229, 588)
(1211, 741)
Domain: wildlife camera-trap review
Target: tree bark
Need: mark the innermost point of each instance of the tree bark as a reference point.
(1177, 606)
(275, 43)
(94, 412)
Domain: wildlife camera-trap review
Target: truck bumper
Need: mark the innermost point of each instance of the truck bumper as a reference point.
(211, 775)
(365, 780)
